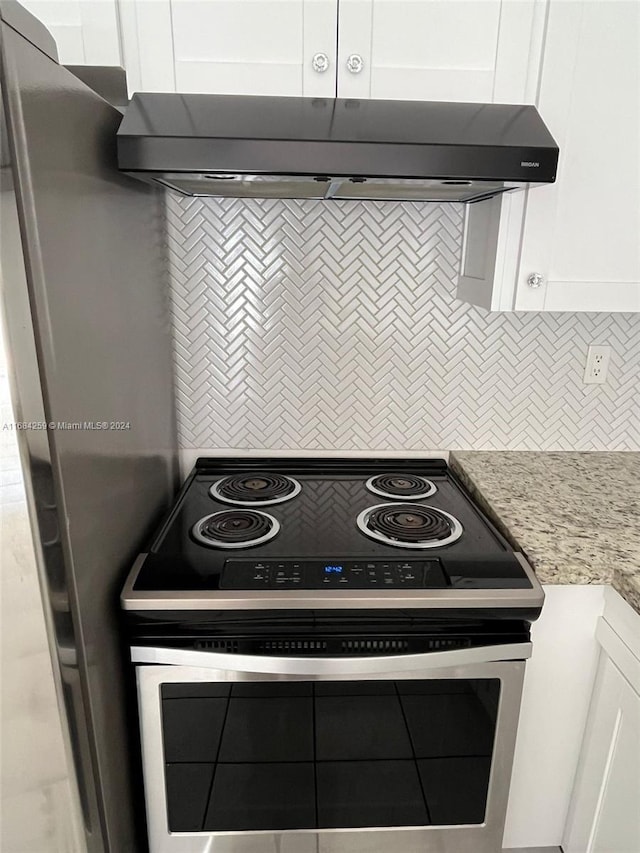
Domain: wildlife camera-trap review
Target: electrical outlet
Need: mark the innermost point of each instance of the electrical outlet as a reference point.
(597, 366)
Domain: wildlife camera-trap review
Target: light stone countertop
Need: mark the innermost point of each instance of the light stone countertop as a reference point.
(576, 516)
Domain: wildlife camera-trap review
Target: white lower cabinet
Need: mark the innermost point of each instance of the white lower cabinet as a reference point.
(558, 682)
(606, 809)
(604, 815)
(576, 771)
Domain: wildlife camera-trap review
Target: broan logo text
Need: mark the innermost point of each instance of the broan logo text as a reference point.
(529, 163)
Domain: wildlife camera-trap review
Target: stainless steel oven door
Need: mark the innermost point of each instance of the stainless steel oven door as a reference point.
(390, 754)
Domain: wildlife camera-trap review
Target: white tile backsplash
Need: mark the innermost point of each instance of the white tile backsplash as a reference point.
(305, 325)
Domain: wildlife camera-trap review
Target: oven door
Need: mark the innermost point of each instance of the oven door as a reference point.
(389, 754)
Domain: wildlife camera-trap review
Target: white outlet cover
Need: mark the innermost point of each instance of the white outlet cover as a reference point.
(597, 366)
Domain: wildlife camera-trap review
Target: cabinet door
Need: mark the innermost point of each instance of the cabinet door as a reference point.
(253, 47)
(605, 812)
(435, 50)
(581, 234)
(85, 31)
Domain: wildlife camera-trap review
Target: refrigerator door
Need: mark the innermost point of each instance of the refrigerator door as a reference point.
(88, 331)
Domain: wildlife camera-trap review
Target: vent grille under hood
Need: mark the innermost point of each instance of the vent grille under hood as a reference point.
(244, 146)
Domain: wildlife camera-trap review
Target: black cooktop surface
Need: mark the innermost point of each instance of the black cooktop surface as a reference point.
(327, 524)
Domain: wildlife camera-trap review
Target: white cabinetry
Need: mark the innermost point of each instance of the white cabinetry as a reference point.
(580, 234)
(435, 50)
(576, 240)
(467, 50)
(558, 683)
(85, 31)
(578, 745)
(605, 811)
(250, 47)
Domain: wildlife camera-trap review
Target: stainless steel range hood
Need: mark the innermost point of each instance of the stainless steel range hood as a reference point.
(273, 147)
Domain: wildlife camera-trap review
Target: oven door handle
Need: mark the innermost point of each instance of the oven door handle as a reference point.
(327, 667)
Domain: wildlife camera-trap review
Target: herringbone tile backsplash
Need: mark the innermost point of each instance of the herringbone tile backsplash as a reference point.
(335, 326)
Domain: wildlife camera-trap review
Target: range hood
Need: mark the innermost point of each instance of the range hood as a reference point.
(244, 146)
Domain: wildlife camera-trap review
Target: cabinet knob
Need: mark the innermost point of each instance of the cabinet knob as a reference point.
(535, 280)
(355, 63)
(320, 62)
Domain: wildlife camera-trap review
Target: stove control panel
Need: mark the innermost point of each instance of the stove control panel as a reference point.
(332, 574)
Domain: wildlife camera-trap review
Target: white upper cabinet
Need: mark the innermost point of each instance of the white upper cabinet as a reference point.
(85, 31)
(252, 47)
(464, 50)
(435, 50)
(583, 234)
(571, 246)
(580, 237)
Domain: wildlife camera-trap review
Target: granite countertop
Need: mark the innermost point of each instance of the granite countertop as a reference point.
(576, 516)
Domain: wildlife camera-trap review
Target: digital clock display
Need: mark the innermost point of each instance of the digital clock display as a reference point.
(331, 570)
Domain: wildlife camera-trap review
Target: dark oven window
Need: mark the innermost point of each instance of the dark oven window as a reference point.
(307, 755)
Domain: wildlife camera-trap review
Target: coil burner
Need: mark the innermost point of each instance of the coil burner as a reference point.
(253, 489)
(235, 528)
(403, 486)
(409, 525)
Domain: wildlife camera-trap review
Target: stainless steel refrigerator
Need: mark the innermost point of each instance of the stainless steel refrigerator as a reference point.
(87, 323)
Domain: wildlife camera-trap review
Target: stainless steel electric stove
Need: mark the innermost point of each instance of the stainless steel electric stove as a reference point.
(329, 657)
